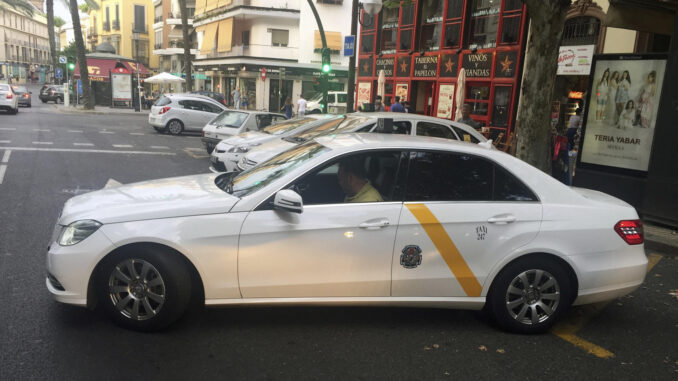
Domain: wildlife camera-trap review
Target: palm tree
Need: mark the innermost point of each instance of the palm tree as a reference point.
(87, 95)
(50, 33)
(187, 45)
(19, 5)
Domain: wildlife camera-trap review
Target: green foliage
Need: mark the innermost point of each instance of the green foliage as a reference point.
(59, 22)
(71, 52)
(396, 3)
(19, 5)
(84, 8)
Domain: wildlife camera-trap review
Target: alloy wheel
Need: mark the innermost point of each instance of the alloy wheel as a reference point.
(136, 289)
(532, 297)
(174, 127)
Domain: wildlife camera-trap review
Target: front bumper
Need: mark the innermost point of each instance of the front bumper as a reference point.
(209, 143)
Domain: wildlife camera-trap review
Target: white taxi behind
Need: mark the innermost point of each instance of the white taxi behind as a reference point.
(358, 219)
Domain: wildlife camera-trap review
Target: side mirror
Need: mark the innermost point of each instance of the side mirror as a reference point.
(288, 200)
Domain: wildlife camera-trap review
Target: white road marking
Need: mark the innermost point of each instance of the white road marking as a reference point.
(75, 131)
(5, 141)
(7, 129)
(5, 157)
(91, 151)
(47, 143)
(194, 149)
(84, 144)
(122, 146)
(3, 168)
(77, 190)
(40, 130)
(106, 132)
(137, 133)
(159, 147)
(112, 183)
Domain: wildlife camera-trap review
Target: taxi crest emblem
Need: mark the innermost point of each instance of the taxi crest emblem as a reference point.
(411, 256)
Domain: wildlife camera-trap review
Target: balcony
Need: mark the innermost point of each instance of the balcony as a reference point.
(107, 26)
(262, 51)
(157, 46)
(116, 25)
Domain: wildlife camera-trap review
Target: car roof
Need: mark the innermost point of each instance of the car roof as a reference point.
(192, 96)
(253, 112)
(349, 141)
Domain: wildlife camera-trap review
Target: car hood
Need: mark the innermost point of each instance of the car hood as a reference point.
(245, 139)
(163, 198)
(268, 150)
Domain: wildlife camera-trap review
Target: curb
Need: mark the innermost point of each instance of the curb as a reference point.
(663, 247)
(97, 112)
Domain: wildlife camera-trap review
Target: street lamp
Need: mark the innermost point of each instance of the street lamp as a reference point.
(371, 8)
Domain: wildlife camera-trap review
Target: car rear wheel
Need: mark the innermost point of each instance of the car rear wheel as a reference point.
(175, 127)
(529, 296)
(144, 289)
(44, 100)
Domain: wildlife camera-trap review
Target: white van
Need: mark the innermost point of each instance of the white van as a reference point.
(336, 103)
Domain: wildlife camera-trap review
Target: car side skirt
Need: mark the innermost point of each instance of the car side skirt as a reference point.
(463, 303)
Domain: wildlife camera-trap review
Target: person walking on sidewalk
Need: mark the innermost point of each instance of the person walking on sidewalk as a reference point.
(287, 107)
(236, 98)
(301, 106)
(397, 107)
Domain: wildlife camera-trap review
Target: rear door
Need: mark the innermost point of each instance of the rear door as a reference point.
(462, 214)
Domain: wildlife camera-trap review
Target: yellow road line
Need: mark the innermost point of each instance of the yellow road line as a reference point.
(448, 250)
(568, 328)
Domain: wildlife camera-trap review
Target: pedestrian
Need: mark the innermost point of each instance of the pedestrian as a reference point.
(287, 107)
(396, 106)
(378, 105)
(408, 108)
(236, 98)
(466, 117)
(142, 96)
(573, 127)
(301, 106)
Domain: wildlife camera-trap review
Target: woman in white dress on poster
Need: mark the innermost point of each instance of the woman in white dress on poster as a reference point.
(602, 94)
(646, 100)
(627, 116)
(610, 116)
(622, 96)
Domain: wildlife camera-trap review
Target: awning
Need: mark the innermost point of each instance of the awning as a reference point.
(211, 4)
(208, 38)
(223, 3)
(647, 16)
(225, 35)
(99, 69)
(199, 6)
(333, 40)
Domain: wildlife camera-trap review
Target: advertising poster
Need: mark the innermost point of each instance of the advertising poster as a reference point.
(575, 60)
(121, 85)
(401, 91)
(364, 91)
(445, 97)
(622, 111)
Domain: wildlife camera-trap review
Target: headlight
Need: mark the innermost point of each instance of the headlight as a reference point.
(240, 149)
(77, 231)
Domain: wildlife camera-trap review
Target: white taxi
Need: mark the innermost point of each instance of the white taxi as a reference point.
(354, 219)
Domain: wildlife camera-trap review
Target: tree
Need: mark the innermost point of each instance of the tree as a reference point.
(59, 22)
(84, 8)
(187, 46)
(88, 96)
(71, 51)
(18, 5)
(50, 33)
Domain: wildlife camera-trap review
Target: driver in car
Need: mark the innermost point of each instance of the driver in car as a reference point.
(354, 183)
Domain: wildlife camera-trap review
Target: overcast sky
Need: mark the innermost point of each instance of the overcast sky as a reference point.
(61, 10)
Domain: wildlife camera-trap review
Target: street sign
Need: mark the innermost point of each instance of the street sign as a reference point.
(62, 59)
(58, 73)
(79, 87)
(349, 46)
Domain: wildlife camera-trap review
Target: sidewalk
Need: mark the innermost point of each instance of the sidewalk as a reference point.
(100, 110)
(661, 238)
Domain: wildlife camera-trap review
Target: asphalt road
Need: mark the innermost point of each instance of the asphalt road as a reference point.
(630, 338)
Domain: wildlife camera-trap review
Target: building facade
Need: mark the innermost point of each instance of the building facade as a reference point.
(421, 48)
(269, 49)
(169, 37)
(24, 55)
(126, 25)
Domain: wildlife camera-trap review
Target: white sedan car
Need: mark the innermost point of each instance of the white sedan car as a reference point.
(353, 219)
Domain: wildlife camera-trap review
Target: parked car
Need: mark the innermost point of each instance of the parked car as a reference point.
(229, 151)
(52, 93)
(234, 122)
(176, 113)
(24, 95)
(336, 103)
(216, 96)
(9, 101)
(404, 124)
(363, 219)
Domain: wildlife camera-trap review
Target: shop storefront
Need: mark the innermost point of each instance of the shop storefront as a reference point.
(421, 48)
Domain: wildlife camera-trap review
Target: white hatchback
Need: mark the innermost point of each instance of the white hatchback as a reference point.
(9, 100)
(351, 219)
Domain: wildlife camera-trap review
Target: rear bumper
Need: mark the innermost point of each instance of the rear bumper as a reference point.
(156, 121)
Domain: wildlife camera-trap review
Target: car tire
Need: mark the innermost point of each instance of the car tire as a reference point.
(44, 100)
(174, 127)
(160, 130)
(143, 289)
(530, 295)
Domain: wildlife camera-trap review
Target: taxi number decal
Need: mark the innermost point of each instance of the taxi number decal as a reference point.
(447, 249)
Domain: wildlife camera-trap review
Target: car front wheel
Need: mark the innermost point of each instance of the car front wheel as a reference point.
(530, 295)
(144, 289)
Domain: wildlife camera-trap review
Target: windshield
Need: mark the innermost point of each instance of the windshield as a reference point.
(230, 119)
(270, 170)
(20, 89)
(336, 126)
(283, 127)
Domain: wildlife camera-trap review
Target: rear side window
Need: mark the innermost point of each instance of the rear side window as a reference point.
(465, 136)
(435, 130)
(163, 101)
(400, 127)
(264, 120)
(509, 188)
(208, 107)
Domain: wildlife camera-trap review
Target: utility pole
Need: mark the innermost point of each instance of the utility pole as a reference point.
(350, 87)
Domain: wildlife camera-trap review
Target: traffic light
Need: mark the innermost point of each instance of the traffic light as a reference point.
(327, 65)
(71, 64)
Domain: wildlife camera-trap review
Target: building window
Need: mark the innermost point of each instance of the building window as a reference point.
(405, 40)
(116, 23)
(478, 97)
(158, 39)
(484, 23)
(334, 2)
(389, 30)
(406, 29)
(157, 13)
(367, 44)
(280, 37)
(139, 19)
(246, 38)
(453, 19)
(431, 21)
(581, 31)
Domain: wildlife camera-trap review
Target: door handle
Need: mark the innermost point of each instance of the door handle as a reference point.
(376, 223)
(502, 219)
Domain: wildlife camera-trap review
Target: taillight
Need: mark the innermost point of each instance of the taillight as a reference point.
(10, 95)
(164, 110)
(223, 102)
(25, 95)
(631, 231)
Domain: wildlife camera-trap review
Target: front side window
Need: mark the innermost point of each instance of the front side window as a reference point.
(435, 130)
(354, 178)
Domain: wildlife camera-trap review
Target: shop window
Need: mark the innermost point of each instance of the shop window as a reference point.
(455, 8)
(513, 5)
(501, 105)
(478, 97)
(367, 44)
(432, 11)
(452, 35)
(405, 40)
(389, 30)
(388, 40)
(390, 17)
(431, 30)
(484, 23)
(510, 29)
(430, 36)
(407, 17)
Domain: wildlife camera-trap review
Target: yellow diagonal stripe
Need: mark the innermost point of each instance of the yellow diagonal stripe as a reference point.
(447, 249)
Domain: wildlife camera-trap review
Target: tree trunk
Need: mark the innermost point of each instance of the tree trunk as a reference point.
(87, 96)
(547, 19)
(50, 34)
(187, 46)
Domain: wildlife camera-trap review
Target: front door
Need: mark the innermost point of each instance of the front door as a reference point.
(462, 214)
(336, 247)
(278, 94)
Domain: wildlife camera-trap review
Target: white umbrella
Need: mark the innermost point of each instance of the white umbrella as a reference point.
(381, 83)
(461, 89)
(164, 78)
